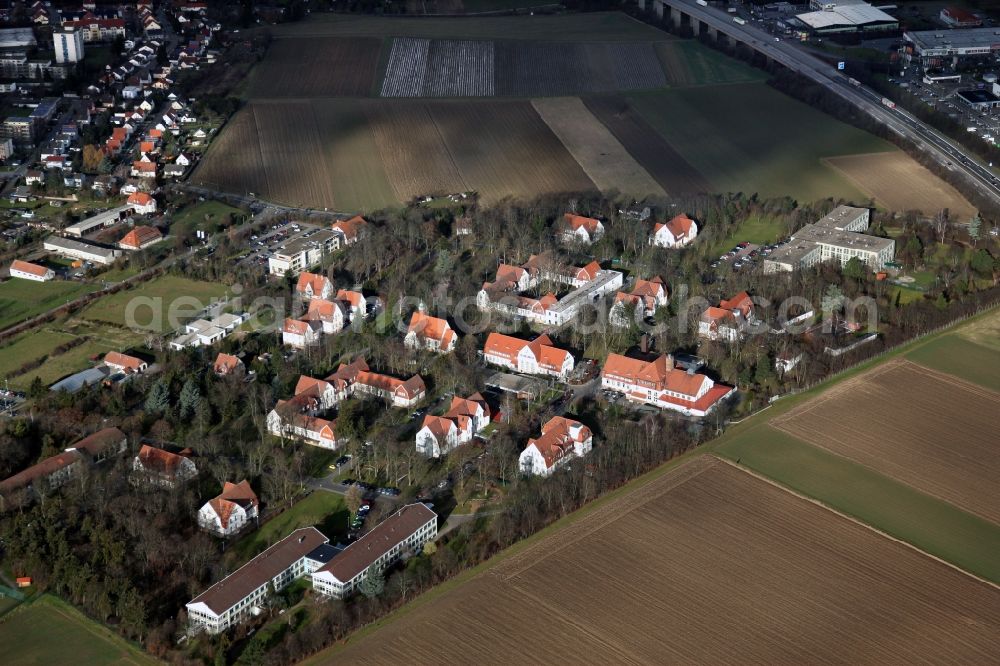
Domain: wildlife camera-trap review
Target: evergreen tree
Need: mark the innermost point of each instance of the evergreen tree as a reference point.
(975, 226)
(189, 399)
(372, 584)
(158, 400)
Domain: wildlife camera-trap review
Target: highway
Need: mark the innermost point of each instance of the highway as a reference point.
(945, 151)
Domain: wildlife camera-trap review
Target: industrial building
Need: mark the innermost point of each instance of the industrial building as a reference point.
(836, 236)
(948, 48)
(78, 249)
(979, 100)
(100, 221)
(849, 17)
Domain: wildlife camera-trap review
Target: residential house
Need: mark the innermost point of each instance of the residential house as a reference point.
(33, 177)
(300, 333)
(230, 511)
(728, 322)
(124, 363)
(646, 297)
(142, 203)
(561, 440)
(163, 468)
(536, 357)
(227, 364)
(397, 392)
(29, 271)
(356, 301)
(102, 445)
(681, 230)
(405, 531)
(242, 592)
(139, 238)
(465, 419)
(580, 229)
(348, 232)
(286, 420)
(661, 384)
(431, 333)
(312, 285)
(144, 168)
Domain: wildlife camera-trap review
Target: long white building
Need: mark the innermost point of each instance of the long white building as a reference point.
(839, 236)
(407, 530)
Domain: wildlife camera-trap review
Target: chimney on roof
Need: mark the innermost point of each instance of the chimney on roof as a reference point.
(302, 538)
(644, 343)
(690, 370)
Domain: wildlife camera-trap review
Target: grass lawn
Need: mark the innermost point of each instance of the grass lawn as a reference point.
(28, 347)
(204, 215)
(166, 291)
(751, 138)
(55, 368)
(687, 62)
(326, 511)
(933, 525)
(23, 299)
(959, 356)
(907, 295)
(118, 274)
(49, 631)
(757, 229)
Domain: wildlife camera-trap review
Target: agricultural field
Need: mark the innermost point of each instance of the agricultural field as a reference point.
(28, 347)
(971, 352)
(316, 67)
(889, 419)
(162, 292)
(686, 62)
(897, 182)
(49, 631)
(287, 134)
(596, 150)
(23, 299)
(728, 134)
(666, 166)
(721, 565)
(233, 162)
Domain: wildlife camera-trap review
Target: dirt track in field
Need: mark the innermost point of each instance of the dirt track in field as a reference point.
(705, 564)
(927, 429)
(898, 182)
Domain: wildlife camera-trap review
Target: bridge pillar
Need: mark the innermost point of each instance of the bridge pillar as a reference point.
(642, 5)
(675, 17)
(713, 33)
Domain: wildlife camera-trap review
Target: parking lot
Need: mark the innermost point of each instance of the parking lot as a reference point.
(263, 246)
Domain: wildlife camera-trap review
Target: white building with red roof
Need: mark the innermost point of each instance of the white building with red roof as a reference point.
(646, 297)
(227, 364)
(535, 357)
(313, 285)
(141, 203)
(26, 270)
(729, 321)
(140, 238)
(163, 468)
(350, 231)
(580, 229)
(466, 418)
(561, 440)
(678, 232)
(661, 384)
(119, 362)
(431, 333)
(229, 512)
(300, 334)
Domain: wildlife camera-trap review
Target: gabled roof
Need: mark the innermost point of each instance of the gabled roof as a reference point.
(314, 281)
(678, 226)
(579, 221)
(431, 328)
(140, 236)
(351, 228)
(39, 470)
(740, 301)
(321, 310)
(139, 199)
(124, 361)
(28, 267)
(439, 426)
(347, 372)
(653, 287)
(468, 406)
(355, 298)
(160, 461)
(225, 363)
(588, 272)
(557, 438)
(93, 445)
(295, 326)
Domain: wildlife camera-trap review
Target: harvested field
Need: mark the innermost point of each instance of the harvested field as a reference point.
(666, 166)
(537, 69)
(707, 564)
(898, 182)
(316, 67)
(233, 162)
(289, 138)
(410, 145)
(889, 419)
(602, 157)
(503, 148)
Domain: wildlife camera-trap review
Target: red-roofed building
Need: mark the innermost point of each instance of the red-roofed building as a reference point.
(300, 334)
(124, 363)
(678, 232)
(163, 468)
(142, 203)
(294, 418)
(580, 229)
(957, 17)
(433, 333)
(41, 478)
(230, 511)
(646, 297)
(144, 169)
(356, 301)
(465, 419)
(227, 364)
(140, 238)
(729, 321)
(660, 384)
(312, 285)
(561, 440)
(536, 357)
(29, 271)
(397, 392)
(349, 231)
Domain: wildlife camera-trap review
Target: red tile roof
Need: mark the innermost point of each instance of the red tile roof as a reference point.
(351, 228)
(96, 443)
(226, 363)
(139, 199)
(316, 282)
(124, 361)
(140, 236)
(28, 267)
(678, 226)
(431, 328)
(577, 221)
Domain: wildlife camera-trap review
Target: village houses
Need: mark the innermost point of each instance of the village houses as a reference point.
(230, 511)
(580, 229)
(535, 357)
(561, 440)
(431, 333)
(465, 418)
(661, 384)
(728, 322)
(646, 297)
(679, 231)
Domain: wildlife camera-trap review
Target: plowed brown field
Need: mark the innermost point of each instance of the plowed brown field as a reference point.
(316, 67)
(704, 564)
(930, 430)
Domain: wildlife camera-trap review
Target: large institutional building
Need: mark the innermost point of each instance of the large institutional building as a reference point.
(837, 236)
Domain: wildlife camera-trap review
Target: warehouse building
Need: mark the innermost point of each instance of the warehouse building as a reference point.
(840, 18)
(100, 221)
(82, 250)
(948, 48)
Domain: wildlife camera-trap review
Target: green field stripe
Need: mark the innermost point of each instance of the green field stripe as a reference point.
(932, 525)
(955, 355)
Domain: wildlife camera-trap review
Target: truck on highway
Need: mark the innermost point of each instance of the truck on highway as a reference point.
(888, 102)
(703, 3)
(854, 82)
(737, 19)
(731, 10)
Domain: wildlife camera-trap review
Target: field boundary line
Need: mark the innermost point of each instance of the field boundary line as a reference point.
(555, 543)
(852, 519)
(954, 380)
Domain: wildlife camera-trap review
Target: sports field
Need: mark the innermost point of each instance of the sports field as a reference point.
(703, 563)
(897, 182)
(890, 420)
(48, 631)
(23, 299)
(151, 303)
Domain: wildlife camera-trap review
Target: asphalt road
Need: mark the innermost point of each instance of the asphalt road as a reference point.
(899, 121)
